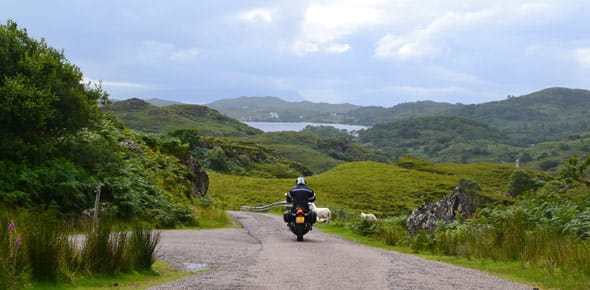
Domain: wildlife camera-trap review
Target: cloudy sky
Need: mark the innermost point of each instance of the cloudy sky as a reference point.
(365, 52)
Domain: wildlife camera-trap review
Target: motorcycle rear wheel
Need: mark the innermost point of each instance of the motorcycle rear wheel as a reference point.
(299, 237)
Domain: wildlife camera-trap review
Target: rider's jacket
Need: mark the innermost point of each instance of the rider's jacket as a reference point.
(301, 195)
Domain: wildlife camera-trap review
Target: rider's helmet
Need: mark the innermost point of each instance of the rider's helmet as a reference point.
(300, 181)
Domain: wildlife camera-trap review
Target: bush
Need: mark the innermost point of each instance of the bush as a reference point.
(520, 182)
(365, 227)
(548, 164)
(393, 231)
(342, 216)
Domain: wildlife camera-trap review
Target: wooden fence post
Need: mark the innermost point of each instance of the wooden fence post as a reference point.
(97, 204)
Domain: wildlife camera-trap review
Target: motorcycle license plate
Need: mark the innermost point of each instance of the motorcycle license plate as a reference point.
(299, 219)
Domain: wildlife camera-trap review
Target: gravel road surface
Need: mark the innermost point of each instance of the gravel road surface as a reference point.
(264, 254)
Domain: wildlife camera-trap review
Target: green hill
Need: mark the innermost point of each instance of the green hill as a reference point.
(547, 115)
(375, 115)
(435, 138)
(162, 103)
(140, 115)
(317, 148)
(275, 109)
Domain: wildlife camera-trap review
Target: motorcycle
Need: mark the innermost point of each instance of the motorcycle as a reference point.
(299, 222)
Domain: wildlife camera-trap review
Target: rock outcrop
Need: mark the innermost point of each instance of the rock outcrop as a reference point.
(198, 178)
(429, 214)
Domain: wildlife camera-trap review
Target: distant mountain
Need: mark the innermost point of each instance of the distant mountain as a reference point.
(275, 109)
(375, 115)
(162, 103)
(547, 115)
(143, 116)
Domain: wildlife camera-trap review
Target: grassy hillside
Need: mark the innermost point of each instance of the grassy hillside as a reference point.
(260, 109)
(376, 115)
(162, 103)
(385, 189)
(547, 115)
(317, 152)
(434, 138)
(142, 116)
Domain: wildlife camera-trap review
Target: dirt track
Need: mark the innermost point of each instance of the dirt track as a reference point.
(265, 255)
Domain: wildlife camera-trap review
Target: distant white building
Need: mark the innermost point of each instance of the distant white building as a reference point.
(274, 115)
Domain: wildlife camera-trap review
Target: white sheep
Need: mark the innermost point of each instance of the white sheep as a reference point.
(368, 216)
(323, 213)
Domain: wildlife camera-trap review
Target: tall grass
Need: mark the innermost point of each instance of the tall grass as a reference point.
(502, 235)
(144, 243)
(36, 247)
(12, 258)
(108, 252)
(44, 241)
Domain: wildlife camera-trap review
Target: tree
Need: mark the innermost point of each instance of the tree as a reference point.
(575, 171)
(521, 182)
(42, 96)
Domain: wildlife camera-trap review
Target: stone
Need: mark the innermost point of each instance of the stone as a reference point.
(198, 177)
(427, 216)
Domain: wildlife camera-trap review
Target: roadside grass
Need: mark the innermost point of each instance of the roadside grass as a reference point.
(40, 251)
(214, 218)
(161, 273)
(513, 270)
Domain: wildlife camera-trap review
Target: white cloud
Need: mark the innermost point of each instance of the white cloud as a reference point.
(338, 48)
(425, 42)
(326, 23)
(429, 33)
(404, 47)
(256, 15)
(582, 56)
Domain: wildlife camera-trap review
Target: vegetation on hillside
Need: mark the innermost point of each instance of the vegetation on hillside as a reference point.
(318, 148)
(373, 115)
(358, 185)
(449, 139)
(547, 115)
(142, 116)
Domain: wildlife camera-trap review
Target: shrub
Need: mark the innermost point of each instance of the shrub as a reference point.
(342, 216)
(365, 227)
(393, 231)
(521, 182)
(548, 164)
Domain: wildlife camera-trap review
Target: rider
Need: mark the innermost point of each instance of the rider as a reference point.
(300, 195)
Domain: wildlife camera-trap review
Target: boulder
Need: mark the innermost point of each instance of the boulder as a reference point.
(427, 216)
